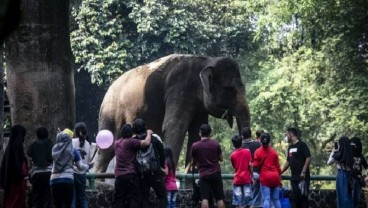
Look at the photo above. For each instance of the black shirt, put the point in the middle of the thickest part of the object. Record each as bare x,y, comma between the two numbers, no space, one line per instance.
252,146
297,154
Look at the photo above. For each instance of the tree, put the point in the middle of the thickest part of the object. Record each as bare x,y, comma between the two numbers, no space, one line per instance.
315,72
39,73
110,37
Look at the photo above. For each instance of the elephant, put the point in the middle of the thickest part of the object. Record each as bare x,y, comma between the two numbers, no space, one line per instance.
174,96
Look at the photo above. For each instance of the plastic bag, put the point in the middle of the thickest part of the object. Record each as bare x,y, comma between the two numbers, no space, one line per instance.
284,201
303,188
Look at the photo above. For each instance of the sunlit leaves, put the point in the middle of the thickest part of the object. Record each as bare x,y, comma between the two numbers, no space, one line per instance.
113,36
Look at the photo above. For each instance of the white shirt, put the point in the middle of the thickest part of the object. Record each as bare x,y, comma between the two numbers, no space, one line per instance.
87,148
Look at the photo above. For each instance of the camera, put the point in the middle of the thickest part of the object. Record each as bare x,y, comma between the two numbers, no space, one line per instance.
336,145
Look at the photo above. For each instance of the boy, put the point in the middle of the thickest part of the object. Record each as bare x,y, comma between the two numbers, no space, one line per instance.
241,160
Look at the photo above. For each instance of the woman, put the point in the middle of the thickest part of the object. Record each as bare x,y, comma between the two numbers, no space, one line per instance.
358,165
13,176
266,161
343,157
170,180
83,144
62,179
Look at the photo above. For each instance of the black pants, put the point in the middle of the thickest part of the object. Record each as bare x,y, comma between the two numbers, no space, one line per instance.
62,194
157,183
127,192
41,191
299,200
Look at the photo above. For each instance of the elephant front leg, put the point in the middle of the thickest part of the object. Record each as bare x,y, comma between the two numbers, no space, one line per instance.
193,133
175,126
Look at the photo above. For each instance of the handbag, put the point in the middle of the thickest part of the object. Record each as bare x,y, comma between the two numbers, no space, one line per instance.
284,201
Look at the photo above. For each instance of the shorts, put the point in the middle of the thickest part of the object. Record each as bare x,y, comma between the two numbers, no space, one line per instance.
242,194
211,183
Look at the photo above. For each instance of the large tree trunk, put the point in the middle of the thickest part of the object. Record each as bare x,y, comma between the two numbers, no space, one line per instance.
38,64
1,102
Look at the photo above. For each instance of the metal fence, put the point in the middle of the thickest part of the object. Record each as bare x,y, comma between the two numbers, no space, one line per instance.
184,177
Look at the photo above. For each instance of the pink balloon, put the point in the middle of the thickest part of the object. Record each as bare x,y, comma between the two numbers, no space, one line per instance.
104,139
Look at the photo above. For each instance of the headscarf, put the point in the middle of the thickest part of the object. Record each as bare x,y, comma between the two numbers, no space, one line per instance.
344,154
11,167
62,152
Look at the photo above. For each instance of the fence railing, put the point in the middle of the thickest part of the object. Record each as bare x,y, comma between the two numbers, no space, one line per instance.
91,177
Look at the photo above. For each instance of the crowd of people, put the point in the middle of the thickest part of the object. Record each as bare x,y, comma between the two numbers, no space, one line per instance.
257,171
57,172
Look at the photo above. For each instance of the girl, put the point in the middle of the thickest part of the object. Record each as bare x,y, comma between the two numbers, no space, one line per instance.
83,144
266,161
343,157
62,180
170,182
359,164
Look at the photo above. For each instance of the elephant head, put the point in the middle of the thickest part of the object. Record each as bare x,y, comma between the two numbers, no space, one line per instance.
224,92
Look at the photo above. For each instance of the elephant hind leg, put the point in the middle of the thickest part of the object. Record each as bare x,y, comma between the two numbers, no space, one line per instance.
103,159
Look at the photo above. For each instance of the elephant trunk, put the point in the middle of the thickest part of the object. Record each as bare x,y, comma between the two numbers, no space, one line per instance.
241,113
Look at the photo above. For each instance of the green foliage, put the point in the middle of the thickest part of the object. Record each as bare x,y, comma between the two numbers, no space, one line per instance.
111,36
304,62
314,75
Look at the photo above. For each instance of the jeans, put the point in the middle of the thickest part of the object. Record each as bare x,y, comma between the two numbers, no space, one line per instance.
242,194
62,194
271,194
80,199
344,198
171,199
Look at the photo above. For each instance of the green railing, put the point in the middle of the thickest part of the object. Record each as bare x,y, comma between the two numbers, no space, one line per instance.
91,177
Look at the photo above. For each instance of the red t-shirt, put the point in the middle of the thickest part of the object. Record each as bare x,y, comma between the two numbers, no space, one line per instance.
125,151
270,169
206,152
240,160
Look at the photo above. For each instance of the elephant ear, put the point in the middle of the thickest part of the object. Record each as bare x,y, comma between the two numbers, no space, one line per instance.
206,76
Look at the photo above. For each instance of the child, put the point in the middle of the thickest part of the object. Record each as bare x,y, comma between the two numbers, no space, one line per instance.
241,160
170,181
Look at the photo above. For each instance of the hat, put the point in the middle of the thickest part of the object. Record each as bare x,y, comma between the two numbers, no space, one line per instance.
69,132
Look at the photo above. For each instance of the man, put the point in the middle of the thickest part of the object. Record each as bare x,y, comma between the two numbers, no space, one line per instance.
40,154
207,154
127,187
156,179
241,160
298,159
248,142
252,145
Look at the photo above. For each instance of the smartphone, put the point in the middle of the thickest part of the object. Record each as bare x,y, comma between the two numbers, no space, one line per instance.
336,145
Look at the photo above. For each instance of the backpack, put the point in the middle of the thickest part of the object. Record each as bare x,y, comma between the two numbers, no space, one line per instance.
147,161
